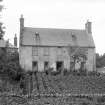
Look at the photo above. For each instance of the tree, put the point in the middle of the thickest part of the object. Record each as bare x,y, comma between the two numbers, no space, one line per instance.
9,66
1,6
2,32
78,55
100,60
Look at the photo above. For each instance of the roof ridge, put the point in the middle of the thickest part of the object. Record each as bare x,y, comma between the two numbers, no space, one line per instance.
54,28
57,36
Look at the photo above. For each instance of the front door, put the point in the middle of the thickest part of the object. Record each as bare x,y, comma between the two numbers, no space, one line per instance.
35,66
46,65
59,65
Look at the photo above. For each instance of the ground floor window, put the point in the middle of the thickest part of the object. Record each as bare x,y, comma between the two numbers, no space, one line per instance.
35,66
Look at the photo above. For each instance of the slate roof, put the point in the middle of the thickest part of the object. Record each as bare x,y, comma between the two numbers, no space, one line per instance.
2,43
57,37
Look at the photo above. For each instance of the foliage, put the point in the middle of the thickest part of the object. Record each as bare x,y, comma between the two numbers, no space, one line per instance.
2,32
79,57
55,73
1,6
101,99
93,73
75,72
9,65
100,60
85,103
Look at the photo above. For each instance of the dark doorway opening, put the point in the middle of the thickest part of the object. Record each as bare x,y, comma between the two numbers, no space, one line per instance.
72,66
59,65
82,67
35,66
46,65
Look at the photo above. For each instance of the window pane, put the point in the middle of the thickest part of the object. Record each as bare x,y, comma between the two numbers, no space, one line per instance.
35,51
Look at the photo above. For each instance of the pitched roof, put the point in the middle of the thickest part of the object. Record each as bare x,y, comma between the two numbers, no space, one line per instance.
2,43
57,37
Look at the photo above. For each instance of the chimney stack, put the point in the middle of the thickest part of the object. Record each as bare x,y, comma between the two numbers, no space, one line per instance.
15,41
21,23
88,27
21,28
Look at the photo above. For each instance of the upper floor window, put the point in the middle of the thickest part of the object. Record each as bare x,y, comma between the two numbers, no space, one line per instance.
46,51
59,51
34,51
36,34
73,37
37,38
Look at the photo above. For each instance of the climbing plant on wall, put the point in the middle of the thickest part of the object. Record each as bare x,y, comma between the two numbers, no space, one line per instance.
78,57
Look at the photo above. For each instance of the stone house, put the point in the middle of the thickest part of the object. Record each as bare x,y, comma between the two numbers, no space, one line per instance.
43,48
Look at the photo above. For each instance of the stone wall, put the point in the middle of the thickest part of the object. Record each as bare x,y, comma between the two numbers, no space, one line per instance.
26,58
91,61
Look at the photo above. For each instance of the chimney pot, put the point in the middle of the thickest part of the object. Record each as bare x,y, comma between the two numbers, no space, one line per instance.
88,27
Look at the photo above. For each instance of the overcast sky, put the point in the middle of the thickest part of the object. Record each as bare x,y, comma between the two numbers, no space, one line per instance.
71,14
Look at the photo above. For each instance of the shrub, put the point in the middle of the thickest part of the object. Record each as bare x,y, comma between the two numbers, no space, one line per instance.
83,72
93,73
65,72
85,103
9,66
101,99
48,71
54,73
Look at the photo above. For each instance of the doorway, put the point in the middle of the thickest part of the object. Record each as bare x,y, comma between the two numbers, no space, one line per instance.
46,65
35,66
59,65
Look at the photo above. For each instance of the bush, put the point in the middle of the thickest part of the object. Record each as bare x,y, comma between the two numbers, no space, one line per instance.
101,99
65,72
83,72
9,65
48,71
85,103
54,73
93,73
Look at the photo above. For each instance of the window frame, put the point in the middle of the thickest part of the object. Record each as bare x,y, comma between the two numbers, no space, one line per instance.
35,51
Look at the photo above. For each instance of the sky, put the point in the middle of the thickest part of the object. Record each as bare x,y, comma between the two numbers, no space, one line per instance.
70,14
